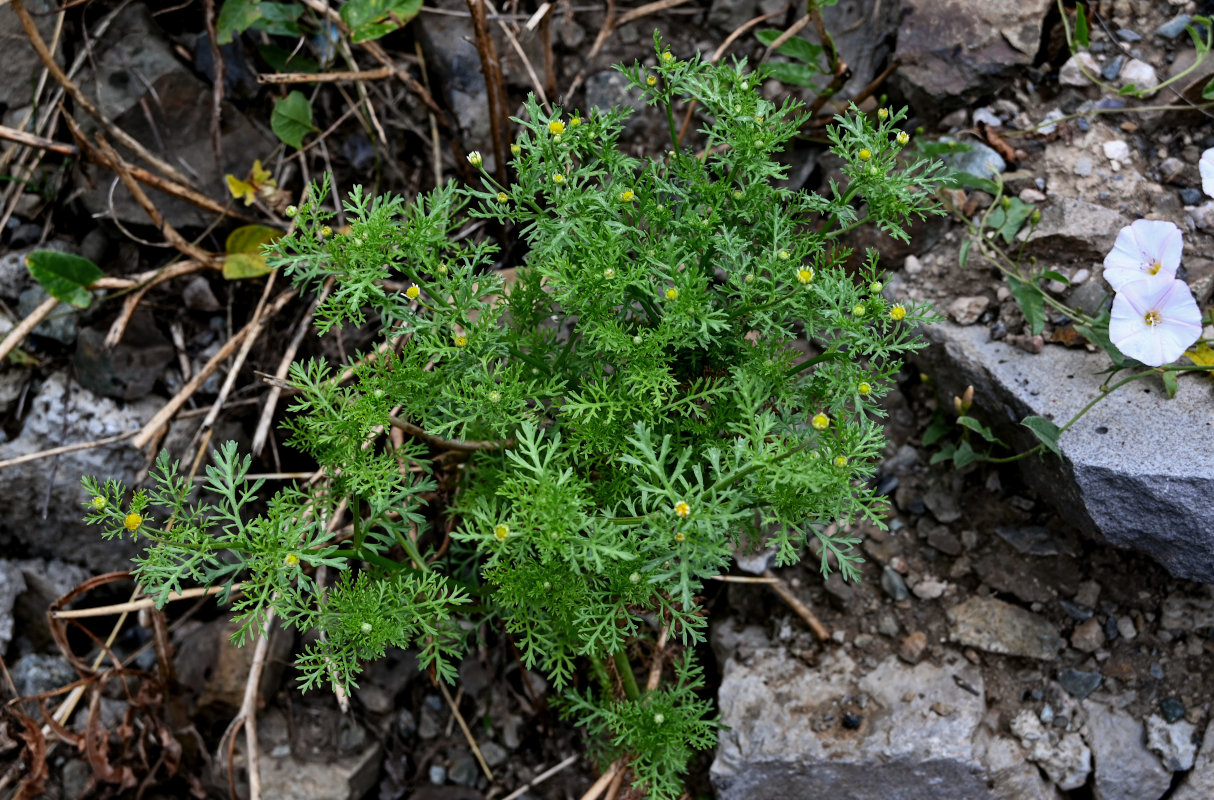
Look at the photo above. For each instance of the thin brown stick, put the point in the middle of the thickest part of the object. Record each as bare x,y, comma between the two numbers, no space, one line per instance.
121,136
518,49
599,41
801,610
325,77
246,717
17,334
779,41
603,782
613,790
140,604
435,149
218,65
543,776
41,142
742,579
491,67
463,726
449,444
646,10
655,667
67,448
150,430
131,303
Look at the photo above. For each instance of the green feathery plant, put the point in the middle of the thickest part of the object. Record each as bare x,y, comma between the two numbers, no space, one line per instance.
600,433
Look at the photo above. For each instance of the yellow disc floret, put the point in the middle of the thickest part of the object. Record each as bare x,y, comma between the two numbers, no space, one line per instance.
865,154
681,509
859,310
897,313
556,127
672,294
558,177
502,197
651,81
840,461
291,560
627,196
864,388
99,503
132,521
805,275
575,121
461,341
412,292
668,56
475,158
516,149
882,114
501,532
820,421
903,138
783,255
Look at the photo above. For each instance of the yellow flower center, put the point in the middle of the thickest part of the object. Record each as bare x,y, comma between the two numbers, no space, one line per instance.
291,560
1152,318
820,422
502,197
573,123
865,154
556,127
897,313
99,503
858,310
882,113
558,177
682,509
651,81
132,521
1154,268
461,341
501,532
412,292
840,461
864,388
516,149
672,294
668,56
627,196
805,275
903,138
678,537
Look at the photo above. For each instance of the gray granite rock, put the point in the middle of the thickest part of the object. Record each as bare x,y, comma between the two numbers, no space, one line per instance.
785,738
953,51
999,627
43,500
1137,470
20,66
1062,756
1075,230
1199,783
12,583
1172,742
1125,769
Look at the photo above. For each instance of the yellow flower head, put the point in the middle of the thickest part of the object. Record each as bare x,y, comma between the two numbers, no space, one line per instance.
99,503
502,197
516,149
859,310
627,196
475,159
132,521
882,114
412,292
840,461
820,421
672,294
864,388
783,255
897,313
805,275
681,509
291,560
556,127
865,154
668,56
903,138
875,287
326,231
651,81
461,341
558,177
678,537
501,532
575,121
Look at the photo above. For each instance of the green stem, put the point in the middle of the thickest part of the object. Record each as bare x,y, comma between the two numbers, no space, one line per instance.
829,355
674,136
600,672
625,669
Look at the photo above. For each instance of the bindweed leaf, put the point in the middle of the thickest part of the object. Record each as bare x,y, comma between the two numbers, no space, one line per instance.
1208,92
64,276
1081,26
980,429
936,431
946,454
965,455
1170,384
371,19
1007,222
279,19
796,47
291,119
964,256
235,17
1051,275
1046,431
1028,297
243,258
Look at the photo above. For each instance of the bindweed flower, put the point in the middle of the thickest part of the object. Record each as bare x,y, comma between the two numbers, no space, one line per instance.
1206,167
1145,248
1154,321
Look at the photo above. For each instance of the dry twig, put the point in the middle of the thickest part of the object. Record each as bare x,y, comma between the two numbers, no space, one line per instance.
325,77
801,610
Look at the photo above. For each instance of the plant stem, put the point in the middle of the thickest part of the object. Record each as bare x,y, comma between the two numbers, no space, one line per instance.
626,677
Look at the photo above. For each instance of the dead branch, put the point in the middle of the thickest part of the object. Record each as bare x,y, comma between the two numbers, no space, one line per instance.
801,610
40,142
325,77
492,68
18,334
449,444
67,448
131,302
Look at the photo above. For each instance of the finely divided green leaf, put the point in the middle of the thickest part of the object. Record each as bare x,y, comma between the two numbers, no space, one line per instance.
64,276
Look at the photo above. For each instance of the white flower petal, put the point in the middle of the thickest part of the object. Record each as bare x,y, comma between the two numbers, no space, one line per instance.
1178,326
1206,167
1139,247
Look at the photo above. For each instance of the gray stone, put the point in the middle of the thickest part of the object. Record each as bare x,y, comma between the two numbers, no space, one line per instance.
967,310
903,748
728,15
1072,72
1139,74
59,325
987,40
863,32
1031,540
941,500
1111,70
894,585
464,771
1062,756
1173,27
61,414
1075,230
1199,783
999,627
14,275
1088,637
1079,683
197,295
1125,769
1172,742
979,160
494,754
36,673
128,370
1010,775
12,583
610,89
1140,481
142,87
1181,612
20,66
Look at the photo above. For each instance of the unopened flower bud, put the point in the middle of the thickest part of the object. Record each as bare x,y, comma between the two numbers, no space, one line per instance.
475,159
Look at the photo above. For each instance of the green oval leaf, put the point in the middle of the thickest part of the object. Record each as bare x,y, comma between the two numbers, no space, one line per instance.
244,257
291,119
1045,430
64,276
371,19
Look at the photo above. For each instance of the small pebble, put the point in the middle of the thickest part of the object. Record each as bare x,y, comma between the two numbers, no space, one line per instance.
1080,276
912,647
1079,684
1190,197
1031,195
1116,150
1140,74
1173,27
1076,611
893,585
1047,714
912,265
1173,709
998,331
1113,68
1111,631
1082,166
1156,671
1127,35
438,774
1125,626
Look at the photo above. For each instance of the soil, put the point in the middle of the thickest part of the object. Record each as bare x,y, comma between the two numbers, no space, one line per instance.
949,530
